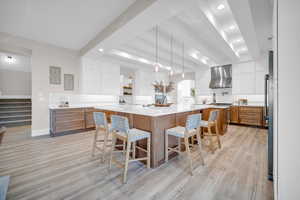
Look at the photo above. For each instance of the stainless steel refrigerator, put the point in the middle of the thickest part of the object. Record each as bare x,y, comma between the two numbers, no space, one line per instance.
269,98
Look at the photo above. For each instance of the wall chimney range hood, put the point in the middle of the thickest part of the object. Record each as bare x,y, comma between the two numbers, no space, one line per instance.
221,77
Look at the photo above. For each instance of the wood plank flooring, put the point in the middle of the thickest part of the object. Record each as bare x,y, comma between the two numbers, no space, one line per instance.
62,168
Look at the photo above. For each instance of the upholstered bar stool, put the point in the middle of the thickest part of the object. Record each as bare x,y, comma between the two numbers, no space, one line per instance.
191,129
212,122
102,127
120,130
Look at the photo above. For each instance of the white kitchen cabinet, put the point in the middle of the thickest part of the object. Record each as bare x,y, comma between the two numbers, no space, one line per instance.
202,80
248,78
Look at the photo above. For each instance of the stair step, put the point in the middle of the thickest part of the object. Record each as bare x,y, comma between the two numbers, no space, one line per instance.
14,111
15,121
11,102
13,116
8,107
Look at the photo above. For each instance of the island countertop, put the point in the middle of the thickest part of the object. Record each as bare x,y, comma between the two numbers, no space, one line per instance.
156,111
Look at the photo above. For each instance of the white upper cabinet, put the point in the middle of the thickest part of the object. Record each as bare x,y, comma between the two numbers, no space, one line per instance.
248,78
202,79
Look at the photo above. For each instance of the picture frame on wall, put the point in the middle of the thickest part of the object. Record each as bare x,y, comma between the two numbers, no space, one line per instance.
68,82
55,75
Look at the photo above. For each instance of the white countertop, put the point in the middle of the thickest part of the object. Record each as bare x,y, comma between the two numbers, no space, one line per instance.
254,104
140,110
156,111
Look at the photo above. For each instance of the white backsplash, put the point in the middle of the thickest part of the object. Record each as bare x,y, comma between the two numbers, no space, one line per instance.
226,96
75,99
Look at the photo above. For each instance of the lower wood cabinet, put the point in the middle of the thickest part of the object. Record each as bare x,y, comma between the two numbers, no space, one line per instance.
247,115
70,119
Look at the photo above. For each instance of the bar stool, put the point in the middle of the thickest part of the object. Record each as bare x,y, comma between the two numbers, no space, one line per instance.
191,129
212,122
101,127
120,130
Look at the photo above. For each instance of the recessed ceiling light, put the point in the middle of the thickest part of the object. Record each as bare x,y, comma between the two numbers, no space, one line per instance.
194,55
237,41
221,7
101,50
10,59
232,27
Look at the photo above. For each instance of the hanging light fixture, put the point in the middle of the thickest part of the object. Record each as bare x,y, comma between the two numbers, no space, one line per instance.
156,64
171,56
182,60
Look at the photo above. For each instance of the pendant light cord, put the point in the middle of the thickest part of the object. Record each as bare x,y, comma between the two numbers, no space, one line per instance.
182,57
171,53
156,44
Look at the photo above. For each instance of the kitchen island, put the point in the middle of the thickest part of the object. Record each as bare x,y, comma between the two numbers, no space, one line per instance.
79,118
156,120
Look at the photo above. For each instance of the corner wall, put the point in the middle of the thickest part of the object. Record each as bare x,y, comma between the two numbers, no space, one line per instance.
42,57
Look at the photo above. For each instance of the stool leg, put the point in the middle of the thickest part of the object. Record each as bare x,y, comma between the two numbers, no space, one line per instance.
106,133
199,147
166,147
179,143
187,147
112,149
148,151
94,142
124,147
133,150
218,136
211,142
126,161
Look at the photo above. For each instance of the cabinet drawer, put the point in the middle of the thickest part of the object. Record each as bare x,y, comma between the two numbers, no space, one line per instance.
254,122
69,116
70,125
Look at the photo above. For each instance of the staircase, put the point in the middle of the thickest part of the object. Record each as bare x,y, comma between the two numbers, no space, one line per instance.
15,112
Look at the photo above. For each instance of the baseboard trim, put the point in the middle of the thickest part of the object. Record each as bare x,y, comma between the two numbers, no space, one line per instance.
40,132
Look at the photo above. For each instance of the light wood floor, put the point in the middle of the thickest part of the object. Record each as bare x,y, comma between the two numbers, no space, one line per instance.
62,168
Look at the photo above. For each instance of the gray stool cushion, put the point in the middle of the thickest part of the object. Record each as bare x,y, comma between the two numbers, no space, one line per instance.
4,181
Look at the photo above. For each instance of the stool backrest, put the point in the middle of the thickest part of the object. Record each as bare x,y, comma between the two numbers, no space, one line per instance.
100,119
213,116
119,123
193,122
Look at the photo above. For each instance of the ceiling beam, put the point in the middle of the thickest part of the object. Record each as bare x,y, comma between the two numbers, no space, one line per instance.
137,19
242,13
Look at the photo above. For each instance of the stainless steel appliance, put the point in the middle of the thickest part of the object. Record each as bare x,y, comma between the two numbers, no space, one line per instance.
269,98
221,77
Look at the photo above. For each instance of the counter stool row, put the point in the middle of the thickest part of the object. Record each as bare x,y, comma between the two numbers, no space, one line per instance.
119,129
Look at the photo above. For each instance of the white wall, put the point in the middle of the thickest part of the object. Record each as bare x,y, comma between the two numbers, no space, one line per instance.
143,88
15,82
99,76
42,57
288,95
247,81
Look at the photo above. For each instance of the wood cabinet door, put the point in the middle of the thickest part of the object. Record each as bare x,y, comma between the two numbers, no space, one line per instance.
89,119
234,114
251,115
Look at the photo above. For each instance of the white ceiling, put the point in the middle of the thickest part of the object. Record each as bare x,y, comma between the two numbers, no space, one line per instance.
204,29
20,62
65,23
128,26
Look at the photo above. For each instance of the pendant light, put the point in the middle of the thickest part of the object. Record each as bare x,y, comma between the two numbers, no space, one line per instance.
182,60
156,64
171,56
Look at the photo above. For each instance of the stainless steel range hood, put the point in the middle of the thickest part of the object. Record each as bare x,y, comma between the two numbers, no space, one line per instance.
221,77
